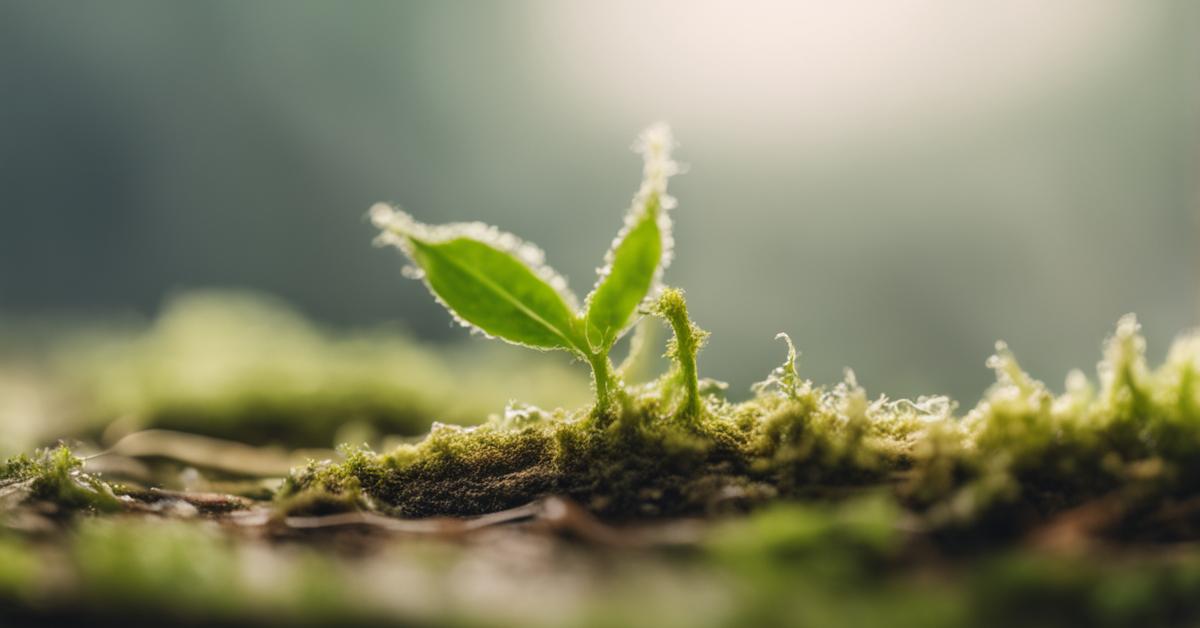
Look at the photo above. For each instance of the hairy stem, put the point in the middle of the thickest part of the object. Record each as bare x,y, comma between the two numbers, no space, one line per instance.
683,347
602,377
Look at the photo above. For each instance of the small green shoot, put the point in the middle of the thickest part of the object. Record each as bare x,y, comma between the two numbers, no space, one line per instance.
498,285
682,350
784,378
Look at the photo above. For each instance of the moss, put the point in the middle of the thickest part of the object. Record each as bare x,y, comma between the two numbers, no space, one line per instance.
868,526
20,570
646,462
125,562
829,563
248,368
849,563
1019,458
131,568
56,476
1024,454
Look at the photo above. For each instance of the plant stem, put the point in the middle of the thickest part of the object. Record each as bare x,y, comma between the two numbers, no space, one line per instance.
686,347
688,339
603,379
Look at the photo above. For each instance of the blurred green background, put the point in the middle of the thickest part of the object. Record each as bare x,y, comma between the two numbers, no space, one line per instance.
897,185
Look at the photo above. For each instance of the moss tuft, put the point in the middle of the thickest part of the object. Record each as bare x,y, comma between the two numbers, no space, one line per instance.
56,475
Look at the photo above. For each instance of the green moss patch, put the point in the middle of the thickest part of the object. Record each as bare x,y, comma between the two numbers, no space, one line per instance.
1022,456
56,476
248,368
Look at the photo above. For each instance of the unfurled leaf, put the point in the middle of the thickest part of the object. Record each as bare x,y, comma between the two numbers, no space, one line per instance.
488,279
640,252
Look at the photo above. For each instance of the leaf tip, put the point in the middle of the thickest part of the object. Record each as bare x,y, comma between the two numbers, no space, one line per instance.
655,145
394,224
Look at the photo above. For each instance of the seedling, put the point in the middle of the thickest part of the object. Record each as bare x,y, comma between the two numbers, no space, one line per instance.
500,286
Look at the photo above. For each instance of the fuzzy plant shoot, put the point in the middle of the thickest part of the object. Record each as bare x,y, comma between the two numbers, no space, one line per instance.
498,285
682,349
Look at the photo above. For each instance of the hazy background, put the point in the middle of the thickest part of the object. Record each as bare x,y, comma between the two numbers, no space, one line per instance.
896,184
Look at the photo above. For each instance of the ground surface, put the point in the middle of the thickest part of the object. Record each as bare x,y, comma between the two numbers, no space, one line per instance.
180,495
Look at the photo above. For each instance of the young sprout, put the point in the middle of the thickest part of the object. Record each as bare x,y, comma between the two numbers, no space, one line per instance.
495,283
682,350
784,379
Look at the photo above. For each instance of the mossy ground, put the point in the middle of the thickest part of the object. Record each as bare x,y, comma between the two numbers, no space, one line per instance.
248,368
853,562
1020,458
55,476
1031,509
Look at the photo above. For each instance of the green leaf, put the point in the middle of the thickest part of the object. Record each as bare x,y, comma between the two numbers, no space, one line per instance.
633,263
489,280
641,251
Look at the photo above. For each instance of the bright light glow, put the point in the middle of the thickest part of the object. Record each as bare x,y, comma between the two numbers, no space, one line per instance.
838,71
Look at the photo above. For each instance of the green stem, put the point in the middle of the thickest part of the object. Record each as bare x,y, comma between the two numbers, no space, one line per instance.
603,379
688,339
687,345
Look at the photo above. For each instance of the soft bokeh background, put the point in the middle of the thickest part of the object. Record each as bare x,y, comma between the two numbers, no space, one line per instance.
895,184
